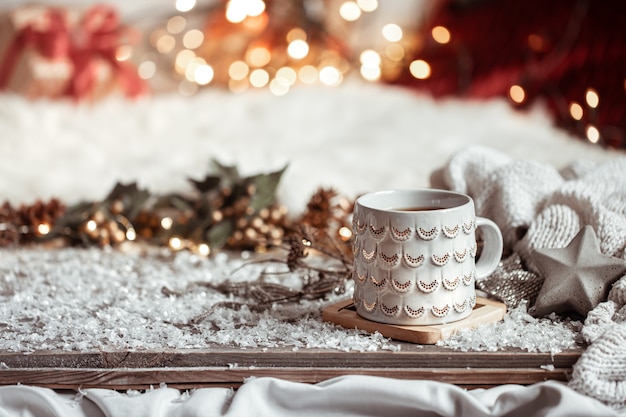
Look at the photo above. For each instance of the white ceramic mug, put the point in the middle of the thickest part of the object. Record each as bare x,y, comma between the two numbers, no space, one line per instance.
414,256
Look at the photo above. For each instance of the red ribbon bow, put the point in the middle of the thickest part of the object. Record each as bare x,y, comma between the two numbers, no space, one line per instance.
95,39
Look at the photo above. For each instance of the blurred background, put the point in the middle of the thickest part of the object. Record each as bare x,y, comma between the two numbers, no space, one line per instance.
568,55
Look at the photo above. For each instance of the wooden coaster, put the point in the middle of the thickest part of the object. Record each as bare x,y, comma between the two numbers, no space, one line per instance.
344,314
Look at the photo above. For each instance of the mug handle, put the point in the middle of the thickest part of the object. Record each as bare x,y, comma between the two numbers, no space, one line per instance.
492,249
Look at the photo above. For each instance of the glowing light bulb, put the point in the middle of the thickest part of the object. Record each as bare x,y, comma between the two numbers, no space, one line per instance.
349,11
593,134
43,228
345,233
259,56
176,24
330,76
203,74
238,70
517,94
592,98
367,5
420,69
176,243
204,249
441,34
167,223
146,70
193,39
185,5
259,78
576,111
392,32
298,49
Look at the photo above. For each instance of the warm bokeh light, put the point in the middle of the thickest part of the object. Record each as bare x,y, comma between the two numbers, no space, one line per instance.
370,73
204,249
259,56
193,39
146,70
298,49
176,243
394,51
259,78
185,5
592,98
165,44
576,111
517,94
238,70
43,228
308,74
203,74
176,24
367,5
593,135
238,10
420,69
330,76
167,223
287,74
441,34
370,57
349,11
183,58
123,52
279,87
392,32
296,34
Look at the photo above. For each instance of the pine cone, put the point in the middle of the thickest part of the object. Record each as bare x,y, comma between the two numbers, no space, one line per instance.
39,217
9,225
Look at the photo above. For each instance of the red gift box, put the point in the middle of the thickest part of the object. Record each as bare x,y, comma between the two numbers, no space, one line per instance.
54,52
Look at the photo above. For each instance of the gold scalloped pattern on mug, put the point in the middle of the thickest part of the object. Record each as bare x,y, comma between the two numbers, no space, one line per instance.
414,313
401,287
368,307
390,311
467,279
428,287
378,284
474,250
451,232
360,277
460,307
460,256
390,261
440,260
359,227
451,284
472,300
468,227
369,257
427,234
401,235
413,262
440,312
378,233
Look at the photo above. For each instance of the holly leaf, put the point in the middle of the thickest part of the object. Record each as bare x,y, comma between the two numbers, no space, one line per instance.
230,174
218,234
265,185
131,196
209,183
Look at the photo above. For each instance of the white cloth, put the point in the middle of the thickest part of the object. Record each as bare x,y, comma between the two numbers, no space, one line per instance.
347,396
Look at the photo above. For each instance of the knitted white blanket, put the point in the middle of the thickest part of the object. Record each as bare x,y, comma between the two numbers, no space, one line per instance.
537,206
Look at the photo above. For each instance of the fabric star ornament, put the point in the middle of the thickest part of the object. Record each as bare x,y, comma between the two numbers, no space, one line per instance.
577,277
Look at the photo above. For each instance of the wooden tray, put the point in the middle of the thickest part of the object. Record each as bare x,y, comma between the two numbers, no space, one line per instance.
344,314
